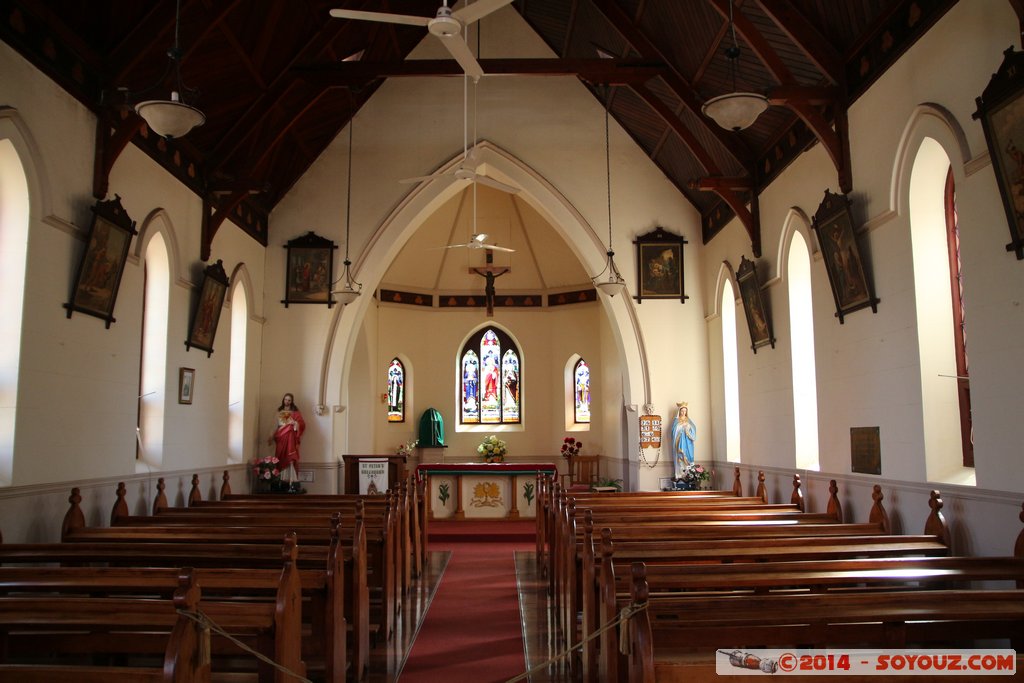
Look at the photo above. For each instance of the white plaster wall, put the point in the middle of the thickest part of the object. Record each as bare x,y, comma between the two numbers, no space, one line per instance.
868,368
554,126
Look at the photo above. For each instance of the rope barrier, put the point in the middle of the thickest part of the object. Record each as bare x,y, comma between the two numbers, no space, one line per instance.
624,616
208,625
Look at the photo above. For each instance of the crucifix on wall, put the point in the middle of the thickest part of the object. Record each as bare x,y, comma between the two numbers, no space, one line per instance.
490,276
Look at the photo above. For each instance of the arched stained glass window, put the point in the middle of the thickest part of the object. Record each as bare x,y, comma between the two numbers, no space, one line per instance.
581,392
396,391
491,381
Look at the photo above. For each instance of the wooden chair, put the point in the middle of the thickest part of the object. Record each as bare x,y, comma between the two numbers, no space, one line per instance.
583,473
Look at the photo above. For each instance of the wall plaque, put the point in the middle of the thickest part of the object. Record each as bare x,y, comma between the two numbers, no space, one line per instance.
865,450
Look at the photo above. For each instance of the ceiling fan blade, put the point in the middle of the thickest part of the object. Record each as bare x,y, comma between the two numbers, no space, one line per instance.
454,246
409,19
496,184
417,179
478,10
495,247
460,51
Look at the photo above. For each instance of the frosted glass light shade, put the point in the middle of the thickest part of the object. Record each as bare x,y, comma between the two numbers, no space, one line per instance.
170,118
735,111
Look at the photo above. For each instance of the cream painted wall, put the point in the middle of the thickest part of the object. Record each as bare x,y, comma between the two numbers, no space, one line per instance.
868,368
556,128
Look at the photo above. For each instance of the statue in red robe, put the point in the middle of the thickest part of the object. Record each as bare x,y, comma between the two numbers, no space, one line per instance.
288,434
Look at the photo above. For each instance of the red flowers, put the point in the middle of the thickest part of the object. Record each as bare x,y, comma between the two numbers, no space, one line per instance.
571,447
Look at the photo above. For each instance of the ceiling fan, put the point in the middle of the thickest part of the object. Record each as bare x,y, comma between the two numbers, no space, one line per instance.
479,241
448,25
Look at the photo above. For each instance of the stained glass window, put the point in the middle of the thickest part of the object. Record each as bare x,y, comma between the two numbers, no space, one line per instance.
491,379
581,392
396,391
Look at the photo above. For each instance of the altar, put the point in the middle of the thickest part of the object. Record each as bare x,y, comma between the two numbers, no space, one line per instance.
476,490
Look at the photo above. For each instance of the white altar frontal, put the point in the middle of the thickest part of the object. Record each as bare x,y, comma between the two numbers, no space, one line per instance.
482,490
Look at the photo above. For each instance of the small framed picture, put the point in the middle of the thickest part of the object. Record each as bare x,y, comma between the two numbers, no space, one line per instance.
758,321
1001,110
186,385
310,268
833,224
207,313
102,263
659,266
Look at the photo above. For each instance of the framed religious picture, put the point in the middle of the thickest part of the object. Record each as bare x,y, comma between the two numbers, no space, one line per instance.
659,266
833,224
1001,110
102,263
310,267
207,313
186,385
758,321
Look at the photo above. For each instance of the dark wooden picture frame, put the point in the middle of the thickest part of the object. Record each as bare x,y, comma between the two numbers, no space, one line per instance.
659,266
186,385
206,317
759,323
310,271
833,225
102,264
1001,110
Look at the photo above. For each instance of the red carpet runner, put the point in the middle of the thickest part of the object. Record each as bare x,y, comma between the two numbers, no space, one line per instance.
472,630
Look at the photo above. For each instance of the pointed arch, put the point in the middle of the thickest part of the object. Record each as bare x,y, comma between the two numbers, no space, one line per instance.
934,121
726,293
392,234
159,220
239,304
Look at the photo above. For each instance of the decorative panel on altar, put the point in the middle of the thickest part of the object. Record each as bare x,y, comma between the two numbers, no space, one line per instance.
482,490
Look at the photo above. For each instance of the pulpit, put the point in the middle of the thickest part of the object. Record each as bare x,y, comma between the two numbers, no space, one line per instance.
397,469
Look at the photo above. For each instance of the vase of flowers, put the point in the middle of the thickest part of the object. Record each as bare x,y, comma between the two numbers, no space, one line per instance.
492,449
267,475
692,477
571,448
406,448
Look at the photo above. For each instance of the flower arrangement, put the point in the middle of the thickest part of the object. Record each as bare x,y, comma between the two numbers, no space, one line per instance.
267,472
493,449
694,475
406,448
571,447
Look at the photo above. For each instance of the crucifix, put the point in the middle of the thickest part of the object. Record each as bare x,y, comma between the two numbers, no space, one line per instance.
490,276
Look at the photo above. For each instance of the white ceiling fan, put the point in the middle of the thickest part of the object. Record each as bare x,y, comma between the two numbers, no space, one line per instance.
448,25
479,241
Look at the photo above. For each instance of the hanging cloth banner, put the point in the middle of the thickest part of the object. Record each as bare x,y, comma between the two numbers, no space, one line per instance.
650,431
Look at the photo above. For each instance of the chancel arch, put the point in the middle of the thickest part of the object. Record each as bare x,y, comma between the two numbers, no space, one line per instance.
387,240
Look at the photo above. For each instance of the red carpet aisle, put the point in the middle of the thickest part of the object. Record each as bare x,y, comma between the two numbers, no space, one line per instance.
472,631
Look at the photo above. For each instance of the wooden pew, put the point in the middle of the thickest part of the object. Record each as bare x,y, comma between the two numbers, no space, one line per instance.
953,617
68,618
705,519
261,607
199,523
346,596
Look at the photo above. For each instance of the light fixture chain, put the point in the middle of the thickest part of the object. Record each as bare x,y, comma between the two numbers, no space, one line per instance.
348,191
608,168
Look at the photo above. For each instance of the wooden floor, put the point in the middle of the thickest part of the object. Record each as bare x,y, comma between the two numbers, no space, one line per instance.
387,659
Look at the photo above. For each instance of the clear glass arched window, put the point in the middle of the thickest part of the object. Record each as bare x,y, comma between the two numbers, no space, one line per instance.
491,379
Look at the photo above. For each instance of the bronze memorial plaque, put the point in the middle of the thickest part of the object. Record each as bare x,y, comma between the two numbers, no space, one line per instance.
865,450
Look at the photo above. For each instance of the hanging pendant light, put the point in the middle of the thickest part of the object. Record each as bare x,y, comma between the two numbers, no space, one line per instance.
351,289
171,118
735,110
613,283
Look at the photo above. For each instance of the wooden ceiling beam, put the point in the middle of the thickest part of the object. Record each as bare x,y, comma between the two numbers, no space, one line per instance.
676,124
806,37
622,23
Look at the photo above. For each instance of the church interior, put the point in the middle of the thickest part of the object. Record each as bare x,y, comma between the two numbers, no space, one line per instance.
798,222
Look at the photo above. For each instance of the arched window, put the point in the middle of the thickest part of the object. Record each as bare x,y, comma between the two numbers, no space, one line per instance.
491,379
801,331
152,379
730,372
963,382
581,392
236,374
14,220
396,391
